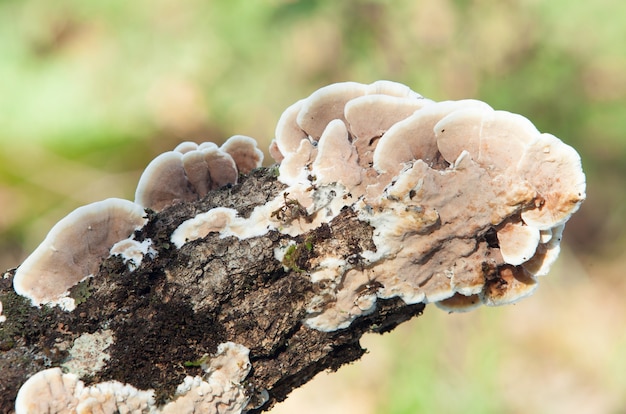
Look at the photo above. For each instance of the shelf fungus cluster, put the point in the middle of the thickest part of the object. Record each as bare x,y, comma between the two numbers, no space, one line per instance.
466,206
217,391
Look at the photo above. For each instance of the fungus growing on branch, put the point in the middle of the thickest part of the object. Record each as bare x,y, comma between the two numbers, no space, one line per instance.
385,201
219,391
432,184
190,171
432,179
74,248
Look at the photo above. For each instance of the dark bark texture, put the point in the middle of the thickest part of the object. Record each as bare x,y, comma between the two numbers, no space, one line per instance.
179,306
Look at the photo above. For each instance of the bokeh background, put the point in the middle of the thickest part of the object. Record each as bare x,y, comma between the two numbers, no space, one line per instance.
91,91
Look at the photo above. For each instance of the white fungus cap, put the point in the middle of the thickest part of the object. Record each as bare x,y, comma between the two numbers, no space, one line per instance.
74,248
190,171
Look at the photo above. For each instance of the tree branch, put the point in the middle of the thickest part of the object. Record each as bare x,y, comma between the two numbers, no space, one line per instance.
178,307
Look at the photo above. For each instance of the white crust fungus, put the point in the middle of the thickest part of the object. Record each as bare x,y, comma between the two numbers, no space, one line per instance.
73,249
132,251
219,391
51,391
2,317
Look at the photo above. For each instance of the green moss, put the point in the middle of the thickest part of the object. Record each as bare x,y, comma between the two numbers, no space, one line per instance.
196,363
297,255
274,170
81,292
17,309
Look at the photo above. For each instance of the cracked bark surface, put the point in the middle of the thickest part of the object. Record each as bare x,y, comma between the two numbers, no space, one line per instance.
180,305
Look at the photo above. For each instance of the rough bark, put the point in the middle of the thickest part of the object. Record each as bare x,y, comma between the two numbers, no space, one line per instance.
180,305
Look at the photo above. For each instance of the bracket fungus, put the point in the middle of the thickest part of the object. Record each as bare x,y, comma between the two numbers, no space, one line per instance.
190,171
456,203
433,179
218,391
74,248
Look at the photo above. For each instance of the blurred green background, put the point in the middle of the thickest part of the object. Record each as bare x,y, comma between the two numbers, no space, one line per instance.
90,92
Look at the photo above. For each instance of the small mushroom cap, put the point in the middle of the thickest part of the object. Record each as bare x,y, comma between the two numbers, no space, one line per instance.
245,153
222,168
207,145
186,146
197,172
48,391
495,139
386,87
191,171
546,254
518,242
327,104
163,182
288,132
52,391
293,169
414,137
370,116
74,248
337,160
275,152
554,169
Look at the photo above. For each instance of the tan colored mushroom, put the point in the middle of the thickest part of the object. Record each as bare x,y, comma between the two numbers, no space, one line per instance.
163,182
546,253
413,138
185,147
481,132
245,153
190,171
52,391
48,391
518,243
369,117
74,248
386,87
326,104
337,159
288,132
554,169
222,168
